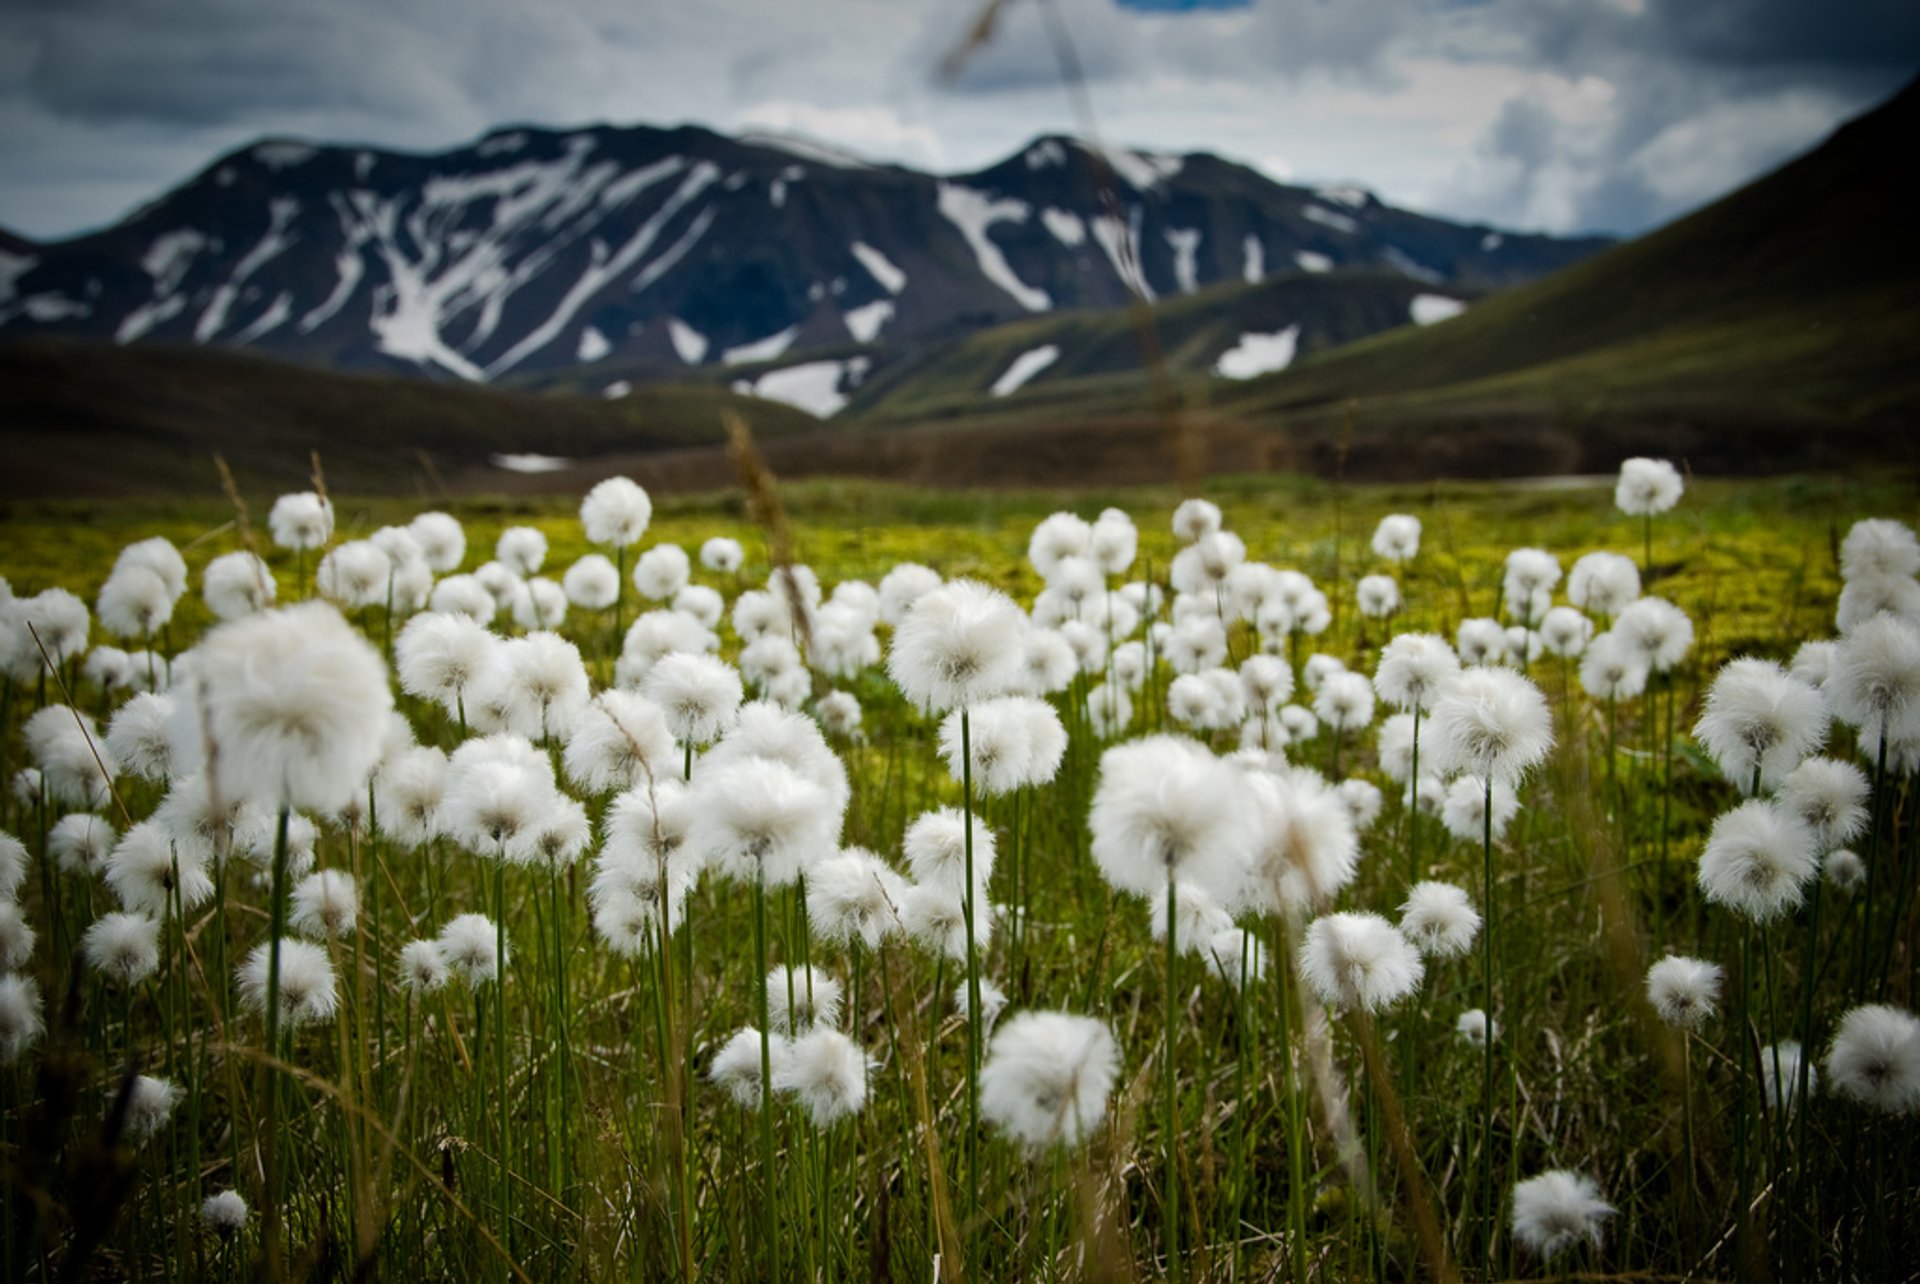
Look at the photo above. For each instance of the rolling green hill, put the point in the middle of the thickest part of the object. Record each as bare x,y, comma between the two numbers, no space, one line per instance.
1778,327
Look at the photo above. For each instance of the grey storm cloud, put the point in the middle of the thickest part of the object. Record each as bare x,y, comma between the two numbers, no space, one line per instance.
1562,114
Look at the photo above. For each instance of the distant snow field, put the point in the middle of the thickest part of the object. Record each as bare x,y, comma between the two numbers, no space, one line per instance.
1429,308
813,386
530,464
1025,367
1258,354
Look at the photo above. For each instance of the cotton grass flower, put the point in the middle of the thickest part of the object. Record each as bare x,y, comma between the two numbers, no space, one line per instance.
1471,1028
149,873
1646,487
521,549
1830,796
699,694
1345,701
1874,684
1014,741
16,937
1481,642
591,583
1564,632
224,1213
1195,519
616,512
409,791
1875,1058
423,969
123,946
736,1067
470,945
1414,669
1358,961
1684,991
800,998
1490,722
1660,630
855,897
21,1019
661,572
1878,548
1844,871
759,820
1305,847
935,848
959,644
1558,1209
301,521
307,989
1613,668
1165,809
149,1108
1397,538
134,603
325,904
1055,539
75,764
619,740
296,702
935,918
1603,583
839,713
81,842
1757,861
826,1072
1780,1067
1530,572
1047,1077
354,574
1439,920
1758,722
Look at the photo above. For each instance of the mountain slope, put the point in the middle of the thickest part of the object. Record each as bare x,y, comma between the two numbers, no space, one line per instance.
1778,324
647,253
83,419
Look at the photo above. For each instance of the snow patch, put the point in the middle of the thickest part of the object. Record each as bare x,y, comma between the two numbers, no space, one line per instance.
1492,241
1426,309
12,268
607,267
281,212
275,316
864,322
616,390
768,349
777,193
362,166
688,343
1025,367
1142,170
1066,226
593,345
813,387
805,149
1407,265
50,307
1327,218
1254,260
148,315
530,464
880,268
1354,198
1258,354
974,214
1121,242
1309,261
1046,152
501,144
284,154
1186,248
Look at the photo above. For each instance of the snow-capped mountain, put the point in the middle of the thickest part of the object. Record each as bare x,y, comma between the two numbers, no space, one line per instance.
660,250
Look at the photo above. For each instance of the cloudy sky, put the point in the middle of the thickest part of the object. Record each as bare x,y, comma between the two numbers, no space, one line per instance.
1553,114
